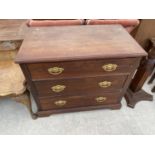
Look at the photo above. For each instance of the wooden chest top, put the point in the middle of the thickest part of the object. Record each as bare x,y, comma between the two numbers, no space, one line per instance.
77,43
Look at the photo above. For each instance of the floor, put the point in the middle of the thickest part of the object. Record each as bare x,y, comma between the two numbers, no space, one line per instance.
15,119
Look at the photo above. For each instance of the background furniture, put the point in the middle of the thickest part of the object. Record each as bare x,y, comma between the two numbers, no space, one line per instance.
128,24
151,80
144,32
12,33
12,29
12,80
152,57
144,36
135,92
52,22
76,68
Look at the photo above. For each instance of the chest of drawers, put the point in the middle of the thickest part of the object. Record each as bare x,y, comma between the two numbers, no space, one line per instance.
78,67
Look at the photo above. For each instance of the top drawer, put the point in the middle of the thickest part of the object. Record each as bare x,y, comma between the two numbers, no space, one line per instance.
80,68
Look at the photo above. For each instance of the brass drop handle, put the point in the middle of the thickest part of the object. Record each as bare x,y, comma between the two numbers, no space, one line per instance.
55,70
110,67
104,84
100,99
60,103
58,88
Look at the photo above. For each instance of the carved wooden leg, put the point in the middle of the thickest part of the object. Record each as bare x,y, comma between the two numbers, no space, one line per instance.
25,99
133,98
135,93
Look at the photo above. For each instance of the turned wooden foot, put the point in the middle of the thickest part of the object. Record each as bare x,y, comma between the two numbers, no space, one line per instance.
115,107
133,98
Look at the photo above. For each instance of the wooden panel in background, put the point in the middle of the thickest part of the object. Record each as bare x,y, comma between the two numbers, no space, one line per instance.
145,31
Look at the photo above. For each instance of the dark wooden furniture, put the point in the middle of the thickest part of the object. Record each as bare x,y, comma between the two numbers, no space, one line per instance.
144,32
153,89
151,47
135,93
151,80
78,67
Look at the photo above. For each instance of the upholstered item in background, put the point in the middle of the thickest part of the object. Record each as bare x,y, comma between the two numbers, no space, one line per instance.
52,22
129,24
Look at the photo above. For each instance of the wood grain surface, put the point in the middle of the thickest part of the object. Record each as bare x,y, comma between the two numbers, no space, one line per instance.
76,43
81,51
78,101
39,71
12,29
88,85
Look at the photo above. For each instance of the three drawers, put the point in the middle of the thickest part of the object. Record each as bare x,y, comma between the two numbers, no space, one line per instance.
70,68
79,83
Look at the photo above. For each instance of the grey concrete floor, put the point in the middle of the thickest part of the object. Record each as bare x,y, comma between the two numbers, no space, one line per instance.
15,119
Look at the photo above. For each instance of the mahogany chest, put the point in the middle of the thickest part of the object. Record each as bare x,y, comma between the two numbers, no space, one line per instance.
76,68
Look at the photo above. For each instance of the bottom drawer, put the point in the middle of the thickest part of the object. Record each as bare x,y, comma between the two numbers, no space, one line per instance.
52,103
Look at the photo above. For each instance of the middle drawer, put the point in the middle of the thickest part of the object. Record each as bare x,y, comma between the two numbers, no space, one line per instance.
79,85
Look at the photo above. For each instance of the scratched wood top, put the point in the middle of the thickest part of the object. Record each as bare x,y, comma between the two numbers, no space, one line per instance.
77,43
12,29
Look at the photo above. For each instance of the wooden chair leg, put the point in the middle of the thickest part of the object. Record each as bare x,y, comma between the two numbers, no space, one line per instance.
26,100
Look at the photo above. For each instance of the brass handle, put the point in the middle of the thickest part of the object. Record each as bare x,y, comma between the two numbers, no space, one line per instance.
60,103
109,67
100,99
58,88
104,84
55,70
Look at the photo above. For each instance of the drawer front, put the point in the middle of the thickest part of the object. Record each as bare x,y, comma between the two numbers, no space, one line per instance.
79,85
80,68
78,101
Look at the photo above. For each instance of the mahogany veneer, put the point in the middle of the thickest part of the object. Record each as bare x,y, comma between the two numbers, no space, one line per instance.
78,67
